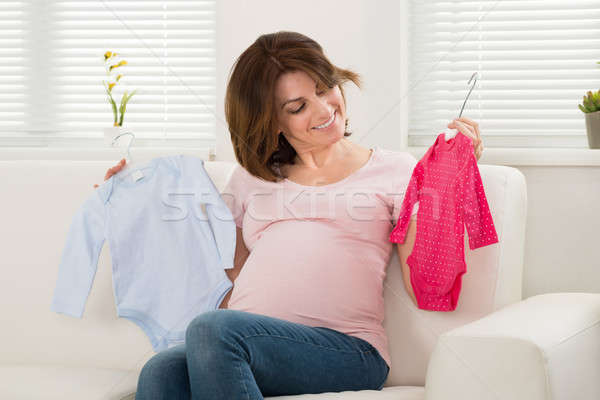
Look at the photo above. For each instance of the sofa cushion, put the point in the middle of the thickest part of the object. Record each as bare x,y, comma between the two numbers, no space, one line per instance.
387,393
49,382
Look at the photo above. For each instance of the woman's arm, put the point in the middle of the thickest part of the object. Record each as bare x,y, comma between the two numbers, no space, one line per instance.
404,250
241,254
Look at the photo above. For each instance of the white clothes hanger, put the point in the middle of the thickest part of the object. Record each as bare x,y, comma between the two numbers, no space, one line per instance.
132,165
450,133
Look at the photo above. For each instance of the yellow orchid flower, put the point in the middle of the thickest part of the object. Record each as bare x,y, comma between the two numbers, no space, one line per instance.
110,86
120,64
109,54
119,77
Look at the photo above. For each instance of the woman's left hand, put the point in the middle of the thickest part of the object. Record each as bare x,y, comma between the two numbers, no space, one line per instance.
469,128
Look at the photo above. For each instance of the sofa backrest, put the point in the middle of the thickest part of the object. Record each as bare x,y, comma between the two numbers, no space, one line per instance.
40,198
492,281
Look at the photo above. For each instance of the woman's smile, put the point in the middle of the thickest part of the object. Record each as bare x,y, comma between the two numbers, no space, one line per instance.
327,124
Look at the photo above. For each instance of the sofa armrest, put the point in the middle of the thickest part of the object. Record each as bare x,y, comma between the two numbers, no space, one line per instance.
544,347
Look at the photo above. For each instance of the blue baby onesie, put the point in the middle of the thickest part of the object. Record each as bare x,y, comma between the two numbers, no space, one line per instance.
170,236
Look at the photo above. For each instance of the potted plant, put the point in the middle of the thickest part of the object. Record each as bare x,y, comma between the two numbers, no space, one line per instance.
591,109
113,67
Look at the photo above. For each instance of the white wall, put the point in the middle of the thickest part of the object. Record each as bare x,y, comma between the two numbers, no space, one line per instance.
562,249
562,243
349,33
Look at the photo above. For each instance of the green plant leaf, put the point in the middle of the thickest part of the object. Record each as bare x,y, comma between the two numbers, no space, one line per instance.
123,98
129,97
589,103
596,100
112,103
122,108
124,102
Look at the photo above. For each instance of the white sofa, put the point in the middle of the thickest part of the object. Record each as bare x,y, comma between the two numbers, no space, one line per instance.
493,346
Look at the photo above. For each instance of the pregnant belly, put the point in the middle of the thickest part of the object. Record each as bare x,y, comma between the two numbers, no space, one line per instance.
309,281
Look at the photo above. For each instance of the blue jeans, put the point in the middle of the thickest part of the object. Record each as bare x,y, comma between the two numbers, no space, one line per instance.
232,354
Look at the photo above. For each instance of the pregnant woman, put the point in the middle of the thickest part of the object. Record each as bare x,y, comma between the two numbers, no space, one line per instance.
313,212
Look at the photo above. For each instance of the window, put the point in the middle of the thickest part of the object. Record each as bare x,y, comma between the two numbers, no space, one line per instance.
535,59
51,90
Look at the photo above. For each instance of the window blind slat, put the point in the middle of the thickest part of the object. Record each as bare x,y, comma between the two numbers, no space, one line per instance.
133,5
538,6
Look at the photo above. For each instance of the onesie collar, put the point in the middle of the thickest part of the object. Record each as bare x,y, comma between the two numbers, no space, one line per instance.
446,146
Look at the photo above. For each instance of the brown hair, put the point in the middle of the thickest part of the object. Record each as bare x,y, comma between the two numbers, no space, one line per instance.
250,98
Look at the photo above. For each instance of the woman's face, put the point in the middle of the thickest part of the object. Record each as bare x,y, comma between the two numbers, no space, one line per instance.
305,121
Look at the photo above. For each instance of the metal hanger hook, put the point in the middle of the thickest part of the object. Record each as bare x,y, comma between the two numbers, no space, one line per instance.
128,145
474,79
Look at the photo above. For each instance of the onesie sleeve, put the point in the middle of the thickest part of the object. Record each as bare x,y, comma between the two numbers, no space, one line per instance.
79,259
409,162
217,212
476,212
233,195
410,198
223,228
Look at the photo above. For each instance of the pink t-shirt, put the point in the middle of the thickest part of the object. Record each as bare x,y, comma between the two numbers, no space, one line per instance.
318,254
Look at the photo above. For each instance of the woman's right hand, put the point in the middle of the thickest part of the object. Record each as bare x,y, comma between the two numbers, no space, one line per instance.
113,170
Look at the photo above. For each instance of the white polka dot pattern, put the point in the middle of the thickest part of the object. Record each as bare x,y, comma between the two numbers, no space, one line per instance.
448,187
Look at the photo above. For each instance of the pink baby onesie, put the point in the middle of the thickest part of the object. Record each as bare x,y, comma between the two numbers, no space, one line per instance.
448,187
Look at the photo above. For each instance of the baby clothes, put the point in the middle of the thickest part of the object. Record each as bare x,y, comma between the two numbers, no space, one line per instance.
447,184
170,235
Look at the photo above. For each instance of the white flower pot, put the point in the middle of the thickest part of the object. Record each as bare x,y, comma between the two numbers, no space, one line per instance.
111,133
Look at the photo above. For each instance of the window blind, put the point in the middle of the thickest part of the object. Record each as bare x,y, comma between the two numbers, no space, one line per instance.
13,59
535,60
56,71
